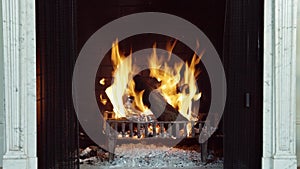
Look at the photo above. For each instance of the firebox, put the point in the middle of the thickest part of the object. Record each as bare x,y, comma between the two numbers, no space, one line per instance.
157,103
152,90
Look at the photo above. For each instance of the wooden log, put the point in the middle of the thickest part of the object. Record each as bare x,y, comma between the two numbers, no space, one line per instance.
161,109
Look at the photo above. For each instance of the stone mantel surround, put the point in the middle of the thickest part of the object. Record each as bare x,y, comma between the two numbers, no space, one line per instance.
19,51
279,113
279,97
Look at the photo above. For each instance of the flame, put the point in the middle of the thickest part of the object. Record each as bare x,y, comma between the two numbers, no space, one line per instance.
150,129
170,79
189,92
122,74
138,97
102,81
103,101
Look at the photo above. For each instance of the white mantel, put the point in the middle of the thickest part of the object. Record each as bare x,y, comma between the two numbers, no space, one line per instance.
19,48
279,113
19,51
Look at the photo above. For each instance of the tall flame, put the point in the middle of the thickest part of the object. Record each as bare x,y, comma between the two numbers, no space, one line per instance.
122,74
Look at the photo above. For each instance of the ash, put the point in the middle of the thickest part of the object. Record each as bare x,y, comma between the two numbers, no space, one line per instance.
149,156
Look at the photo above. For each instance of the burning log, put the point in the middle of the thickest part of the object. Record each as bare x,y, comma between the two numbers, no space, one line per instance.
152,98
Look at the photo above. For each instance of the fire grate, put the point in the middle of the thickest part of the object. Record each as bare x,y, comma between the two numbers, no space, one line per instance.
162,131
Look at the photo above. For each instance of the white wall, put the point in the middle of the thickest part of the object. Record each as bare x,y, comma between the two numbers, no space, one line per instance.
298,85
1,92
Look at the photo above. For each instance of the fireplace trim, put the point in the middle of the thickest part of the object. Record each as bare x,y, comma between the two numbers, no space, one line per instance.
279,96
279,113
19,51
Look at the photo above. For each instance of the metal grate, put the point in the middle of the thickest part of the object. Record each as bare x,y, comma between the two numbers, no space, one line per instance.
163,130
176,129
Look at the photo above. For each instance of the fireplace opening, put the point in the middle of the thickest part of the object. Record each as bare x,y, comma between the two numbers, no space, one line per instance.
234,28
147,128
173,129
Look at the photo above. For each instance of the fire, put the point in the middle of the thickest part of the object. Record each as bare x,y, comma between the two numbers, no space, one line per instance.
150,129
170,79
122,74
102,100
102,81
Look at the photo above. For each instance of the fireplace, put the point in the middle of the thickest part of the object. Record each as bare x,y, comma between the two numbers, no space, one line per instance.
236,41
19,48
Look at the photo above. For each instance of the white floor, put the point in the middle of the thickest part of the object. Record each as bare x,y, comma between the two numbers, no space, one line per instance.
134,156
98,167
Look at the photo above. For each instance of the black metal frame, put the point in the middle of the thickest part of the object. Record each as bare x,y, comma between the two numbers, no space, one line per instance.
56,55
243,61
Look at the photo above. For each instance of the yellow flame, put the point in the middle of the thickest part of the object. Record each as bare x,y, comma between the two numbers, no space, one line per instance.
103,101
121,75
170,48
138,97
102,81
170,79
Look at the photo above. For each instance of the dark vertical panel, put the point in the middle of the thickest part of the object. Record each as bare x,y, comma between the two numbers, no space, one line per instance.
56,54
243,65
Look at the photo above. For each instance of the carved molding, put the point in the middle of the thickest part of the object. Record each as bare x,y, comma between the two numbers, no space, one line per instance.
285,75
19,48
279,121
12,80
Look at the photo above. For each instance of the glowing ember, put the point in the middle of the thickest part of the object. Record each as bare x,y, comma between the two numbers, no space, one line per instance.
123,85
